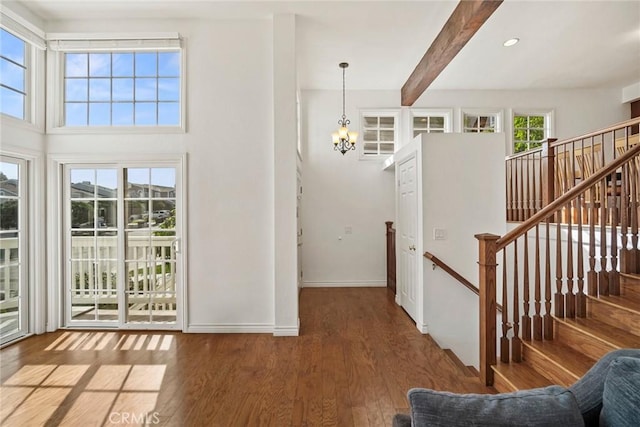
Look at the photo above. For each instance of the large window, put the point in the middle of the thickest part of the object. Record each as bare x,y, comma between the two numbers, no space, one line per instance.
378,133
529,130
118,81
122,88
13,75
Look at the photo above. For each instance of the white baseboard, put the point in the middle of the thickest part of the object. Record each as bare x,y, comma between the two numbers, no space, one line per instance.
230,328
398,300
347,284
287,331
422,328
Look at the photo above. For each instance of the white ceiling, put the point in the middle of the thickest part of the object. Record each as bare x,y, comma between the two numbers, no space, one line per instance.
564,44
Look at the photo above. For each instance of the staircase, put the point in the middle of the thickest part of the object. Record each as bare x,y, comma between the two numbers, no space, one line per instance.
569,275
612,322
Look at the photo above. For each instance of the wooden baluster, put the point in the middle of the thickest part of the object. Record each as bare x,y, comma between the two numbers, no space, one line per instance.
526,319
614,277
516,342
559,296
509,189
570,298
537,319
504,341
603,276
624,220
548,320
581,300
592,275
487,283
635,206
530,198
520,191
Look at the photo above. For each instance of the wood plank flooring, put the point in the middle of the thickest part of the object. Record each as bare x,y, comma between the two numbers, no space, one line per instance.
356,357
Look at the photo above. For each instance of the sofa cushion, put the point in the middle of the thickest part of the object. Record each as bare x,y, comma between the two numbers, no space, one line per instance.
547,406
621,397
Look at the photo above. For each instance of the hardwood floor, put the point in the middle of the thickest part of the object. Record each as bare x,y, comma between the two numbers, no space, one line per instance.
356,357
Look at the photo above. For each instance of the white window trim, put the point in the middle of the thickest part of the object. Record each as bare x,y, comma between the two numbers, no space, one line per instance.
61,43
549,119
447,113
34,39
498,112
386,112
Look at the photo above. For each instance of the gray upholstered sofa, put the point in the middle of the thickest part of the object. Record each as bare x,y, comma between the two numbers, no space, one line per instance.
607,395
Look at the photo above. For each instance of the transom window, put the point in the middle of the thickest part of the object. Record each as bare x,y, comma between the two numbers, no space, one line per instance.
480,123
122,88
430,121
13,75
378,134
528,131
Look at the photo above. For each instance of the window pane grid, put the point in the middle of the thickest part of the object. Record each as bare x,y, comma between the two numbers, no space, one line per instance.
121,89
428,124
528,132
378,135
13,75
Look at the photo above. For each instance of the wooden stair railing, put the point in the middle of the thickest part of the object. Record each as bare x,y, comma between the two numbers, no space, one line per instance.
467,284
555,283
391,256
536,177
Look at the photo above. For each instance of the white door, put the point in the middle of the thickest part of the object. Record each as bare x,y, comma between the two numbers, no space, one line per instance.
407,231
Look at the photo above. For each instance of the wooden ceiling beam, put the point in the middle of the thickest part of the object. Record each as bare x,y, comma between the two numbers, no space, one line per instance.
466,19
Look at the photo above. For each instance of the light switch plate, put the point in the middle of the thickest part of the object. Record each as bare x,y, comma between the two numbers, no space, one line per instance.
439,234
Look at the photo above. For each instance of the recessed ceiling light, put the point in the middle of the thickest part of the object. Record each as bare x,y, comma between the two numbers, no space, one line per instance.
510,42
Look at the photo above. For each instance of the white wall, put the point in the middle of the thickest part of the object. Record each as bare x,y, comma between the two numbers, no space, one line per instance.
229,142
462,201
342,191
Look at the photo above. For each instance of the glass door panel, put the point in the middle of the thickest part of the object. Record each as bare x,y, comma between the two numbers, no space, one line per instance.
150,251
93,284
13,276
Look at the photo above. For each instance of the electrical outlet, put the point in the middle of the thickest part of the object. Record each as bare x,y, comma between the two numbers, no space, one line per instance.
348,229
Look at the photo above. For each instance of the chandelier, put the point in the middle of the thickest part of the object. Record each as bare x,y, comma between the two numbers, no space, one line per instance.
344,140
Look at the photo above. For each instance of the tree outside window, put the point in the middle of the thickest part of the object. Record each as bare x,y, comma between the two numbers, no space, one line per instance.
528,132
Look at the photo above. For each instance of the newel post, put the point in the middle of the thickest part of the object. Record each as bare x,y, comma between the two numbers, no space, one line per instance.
488,313
548,172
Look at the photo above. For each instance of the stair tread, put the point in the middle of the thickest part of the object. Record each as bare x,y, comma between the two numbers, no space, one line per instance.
521,375
633,276
573,361
614,336
628,300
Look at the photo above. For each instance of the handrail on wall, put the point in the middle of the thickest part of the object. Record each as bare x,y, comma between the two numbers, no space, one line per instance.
467,284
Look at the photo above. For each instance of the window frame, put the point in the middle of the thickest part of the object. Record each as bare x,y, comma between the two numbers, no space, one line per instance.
497,113
396,132
61,44
447,114
548,130
34,40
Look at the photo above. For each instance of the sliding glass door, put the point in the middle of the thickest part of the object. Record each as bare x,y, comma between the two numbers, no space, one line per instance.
14,301
123,247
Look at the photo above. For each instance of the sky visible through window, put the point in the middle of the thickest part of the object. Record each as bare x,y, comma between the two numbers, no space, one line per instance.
122,89
108,178
12,75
